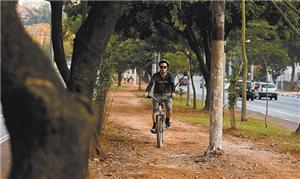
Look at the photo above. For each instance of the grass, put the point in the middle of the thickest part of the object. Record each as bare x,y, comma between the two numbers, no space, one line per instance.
253,129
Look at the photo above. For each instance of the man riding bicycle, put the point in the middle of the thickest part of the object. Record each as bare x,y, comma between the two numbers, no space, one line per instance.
163,82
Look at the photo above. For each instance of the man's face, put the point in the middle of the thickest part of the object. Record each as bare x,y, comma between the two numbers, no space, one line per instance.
163,67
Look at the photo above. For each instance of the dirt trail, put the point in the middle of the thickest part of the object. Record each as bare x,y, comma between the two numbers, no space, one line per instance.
132,152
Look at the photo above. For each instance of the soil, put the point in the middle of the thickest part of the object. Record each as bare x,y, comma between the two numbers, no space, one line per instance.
129,149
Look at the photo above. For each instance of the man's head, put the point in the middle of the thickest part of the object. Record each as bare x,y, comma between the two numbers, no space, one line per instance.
163,65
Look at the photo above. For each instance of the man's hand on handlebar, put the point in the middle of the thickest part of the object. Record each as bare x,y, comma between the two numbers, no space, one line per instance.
173,95
146,94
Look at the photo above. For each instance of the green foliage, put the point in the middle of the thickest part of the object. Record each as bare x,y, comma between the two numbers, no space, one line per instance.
260,29
178,61
70,25
272,54
233,78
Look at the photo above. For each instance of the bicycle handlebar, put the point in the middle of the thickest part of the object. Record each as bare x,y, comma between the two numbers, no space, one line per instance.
158,100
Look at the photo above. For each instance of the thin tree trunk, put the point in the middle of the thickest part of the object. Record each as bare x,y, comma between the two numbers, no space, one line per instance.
298,130
140,79
216,105
245,62
194,93
293,83
267,99
233,120
188,95
119,79
48,127
84,9
57,40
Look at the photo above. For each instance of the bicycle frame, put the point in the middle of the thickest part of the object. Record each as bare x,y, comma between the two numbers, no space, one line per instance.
160,120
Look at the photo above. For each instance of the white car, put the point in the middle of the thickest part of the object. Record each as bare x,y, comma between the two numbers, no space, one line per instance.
261,91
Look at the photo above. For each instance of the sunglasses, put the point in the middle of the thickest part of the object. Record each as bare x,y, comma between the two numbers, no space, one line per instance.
163,66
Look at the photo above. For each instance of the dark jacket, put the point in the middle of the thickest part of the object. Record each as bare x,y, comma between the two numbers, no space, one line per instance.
161,85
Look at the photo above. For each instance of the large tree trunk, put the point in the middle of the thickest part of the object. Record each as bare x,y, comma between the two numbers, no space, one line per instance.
245,63
48,126
216,105
90,44
89,47
57,40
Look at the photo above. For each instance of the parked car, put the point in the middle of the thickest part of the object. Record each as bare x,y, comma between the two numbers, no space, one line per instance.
184,81
249,90
261,91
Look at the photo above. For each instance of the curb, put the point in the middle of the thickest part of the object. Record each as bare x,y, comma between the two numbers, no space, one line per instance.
290,95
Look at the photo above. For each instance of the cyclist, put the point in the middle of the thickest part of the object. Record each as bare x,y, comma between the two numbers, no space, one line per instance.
163,82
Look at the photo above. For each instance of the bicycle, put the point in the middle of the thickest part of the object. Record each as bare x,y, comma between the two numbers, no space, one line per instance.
160,120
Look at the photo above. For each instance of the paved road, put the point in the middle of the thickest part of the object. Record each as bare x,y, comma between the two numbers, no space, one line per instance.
286,108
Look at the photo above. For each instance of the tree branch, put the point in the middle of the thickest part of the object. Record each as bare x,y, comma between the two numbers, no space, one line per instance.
292,7
286,19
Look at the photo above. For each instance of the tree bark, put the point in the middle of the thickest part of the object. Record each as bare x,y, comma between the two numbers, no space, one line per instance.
48,127
140,79
293,72
57,40
90,44
205,72
119,79
245,64
194,93
216,105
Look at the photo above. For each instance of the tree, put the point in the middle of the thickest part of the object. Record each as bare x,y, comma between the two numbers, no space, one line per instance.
232,90
245,63
216,107
89,46
49,127
266,51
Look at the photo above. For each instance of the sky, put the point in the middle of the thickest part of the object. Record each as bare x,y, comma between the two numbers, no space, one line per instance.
21,2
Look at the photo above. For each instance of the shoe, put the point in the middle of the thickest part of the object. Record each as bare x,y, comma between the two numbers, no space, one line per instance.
168,123
153,130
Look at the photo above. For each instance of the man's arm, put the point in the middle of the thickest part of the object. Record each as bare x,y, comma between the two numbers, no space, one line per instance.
151,83
172,83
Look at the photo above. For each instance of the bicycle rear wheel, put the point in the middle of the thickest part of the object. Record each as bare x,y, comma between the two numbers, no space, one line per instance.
159,131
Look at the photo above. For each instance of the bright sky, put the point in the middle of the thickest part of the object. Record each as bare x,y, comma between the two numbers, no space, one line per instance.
24,1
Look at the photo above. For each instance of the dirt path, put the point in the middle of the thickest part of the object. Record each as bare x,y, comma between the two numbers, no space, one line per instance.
131,151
